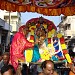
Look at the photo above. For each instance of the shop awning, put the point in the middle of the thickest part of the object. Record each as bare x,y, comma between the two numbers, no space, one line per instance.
45,7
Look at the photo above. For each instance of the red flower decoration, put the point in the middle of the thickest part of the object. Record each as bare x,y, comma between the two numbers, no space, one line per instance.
62,40
32,28
49,27
31,37
37,25
65,51
49,40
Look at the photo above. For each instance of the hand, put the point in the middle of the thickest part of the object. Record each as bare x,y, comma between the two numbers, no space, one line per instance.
37,41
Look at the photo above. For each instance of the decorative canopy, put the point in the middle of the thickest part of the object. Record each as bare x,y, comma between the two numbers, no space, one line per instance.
45,7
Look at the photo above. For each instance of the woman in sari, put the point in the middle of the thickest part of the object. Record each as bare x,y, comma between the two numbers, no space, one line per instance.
18,45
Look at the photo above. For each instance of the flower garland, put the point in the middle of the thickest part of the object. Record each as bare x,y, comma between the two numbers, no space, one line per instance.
62,43
64,49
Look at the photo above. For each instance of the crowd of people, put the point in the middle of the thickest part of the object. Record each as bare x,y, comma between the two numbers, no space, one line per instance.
47,67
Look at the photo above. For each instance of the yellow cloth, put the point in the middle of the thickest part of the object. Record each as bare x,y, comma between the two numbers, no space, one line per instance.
32,32
45,55
32,27
28,55
31,41
59,35
45,26
29,52
68,58
49,34
52,31
63,46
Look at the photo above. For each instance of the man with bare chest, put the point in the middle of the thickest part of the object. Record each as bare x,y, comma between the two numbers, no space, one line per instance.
48,68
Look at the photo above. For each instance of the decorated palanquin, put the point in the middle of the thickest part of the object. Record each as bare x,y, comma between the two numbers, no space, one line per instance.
51,45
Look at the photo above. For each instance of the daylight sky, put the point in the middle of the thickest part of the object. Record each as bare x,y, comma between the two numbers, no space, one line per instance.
28,15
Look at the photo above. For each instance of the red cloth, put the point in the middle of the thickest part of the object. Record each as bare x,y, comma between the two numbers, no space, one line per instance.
18,45
22,27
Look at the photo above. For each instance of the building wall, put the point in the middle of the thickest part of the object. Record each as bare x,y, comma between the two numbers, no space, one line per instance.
2,14
12,22
15,20
4,32
70,20
68,31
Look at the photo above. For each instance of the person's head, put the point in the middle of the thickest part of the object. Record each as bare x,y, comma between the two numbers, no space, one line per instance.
24,29
7,70
38,32
48,67
6,58
41,40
